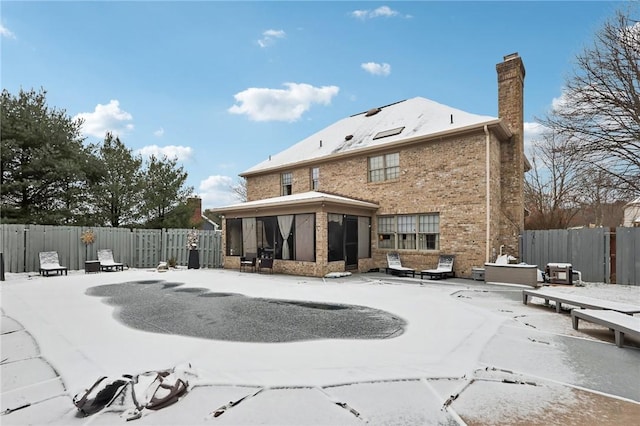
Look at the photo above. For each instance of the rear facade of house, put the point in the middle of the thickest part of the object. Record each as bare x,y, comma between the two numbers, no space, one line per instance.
416,177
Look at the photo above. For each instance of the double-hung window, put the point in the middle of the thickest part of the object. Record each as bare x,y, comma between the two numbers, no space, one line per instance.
384,167
386,232
315,178
286,180
429,232
409,232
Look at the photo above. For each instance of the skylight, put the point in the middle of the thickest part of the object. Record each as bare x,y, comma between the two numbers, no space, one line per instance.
388,133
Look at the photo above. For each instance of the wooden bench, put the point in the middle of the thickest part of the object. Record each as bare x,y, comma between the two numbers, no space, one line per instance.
619,323
579,301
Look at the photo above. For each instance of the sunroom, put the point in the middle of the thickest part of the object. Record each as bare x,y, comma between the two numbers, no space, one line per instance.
311,233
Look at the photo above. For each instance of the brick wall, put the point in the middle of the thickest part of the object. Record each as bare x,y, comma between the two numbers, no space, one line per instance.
447,176
431,180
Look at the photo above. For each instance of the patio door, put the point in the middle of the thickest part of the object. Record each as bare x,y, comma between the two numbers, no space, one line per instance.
351,242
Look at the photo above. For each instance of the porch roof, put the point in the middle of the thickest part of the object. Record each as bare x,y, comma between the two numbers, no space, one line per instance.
305,199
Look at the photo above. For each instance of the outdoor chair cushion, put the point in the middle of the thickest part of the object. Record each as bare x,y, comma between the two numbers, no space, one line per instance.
443,270
49,262
394,265
105,256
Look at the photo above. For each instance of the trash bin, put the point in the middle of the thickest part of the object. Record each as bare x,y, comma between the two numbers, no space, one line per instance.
194,260
559,273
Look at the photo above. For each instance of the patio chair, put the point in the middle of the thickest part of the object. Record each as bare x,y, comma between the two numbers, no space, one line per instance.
248,261
266,263
105,257
49,262
443,270
395,266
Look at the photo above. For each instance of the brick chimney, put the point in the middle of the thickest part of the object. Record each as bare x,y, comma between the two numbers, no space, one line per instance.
511,110
511,92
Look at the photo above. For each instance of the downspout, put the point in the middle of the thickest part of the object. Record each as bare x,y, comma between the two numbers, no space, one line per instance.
488,193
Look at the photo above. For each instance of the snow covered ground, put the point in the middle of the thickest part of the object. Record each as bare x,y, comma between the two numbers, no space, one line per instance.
471,353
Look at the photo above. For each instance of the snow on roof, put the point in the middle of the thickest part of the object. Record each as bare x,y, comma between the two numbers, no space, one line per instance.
406,119
302,198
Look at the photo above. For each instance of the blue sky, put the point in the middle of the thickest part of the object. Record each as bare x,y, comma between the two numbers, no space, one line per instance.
222,85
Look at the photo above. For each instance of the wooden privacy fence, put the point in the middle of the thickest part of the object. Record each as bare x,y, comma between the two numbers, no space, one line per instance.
137,248
600,254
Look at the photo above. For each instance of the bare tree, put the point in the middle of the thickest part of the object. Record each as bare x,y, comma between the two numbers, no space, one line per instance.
552,186
598,195
240,189
600,111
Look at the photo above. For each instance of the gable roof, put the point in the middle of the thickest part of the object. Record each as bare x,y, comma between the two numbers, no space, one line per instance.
210,223
406,120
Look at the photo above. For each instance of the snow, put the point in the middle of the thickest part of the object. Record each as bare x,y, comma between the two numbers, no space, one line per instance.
418,116
298,198
463,338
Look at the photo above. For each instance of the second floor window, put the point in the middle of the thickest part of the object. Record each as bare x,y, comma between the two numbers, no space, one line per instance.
384,167
315,178
287,180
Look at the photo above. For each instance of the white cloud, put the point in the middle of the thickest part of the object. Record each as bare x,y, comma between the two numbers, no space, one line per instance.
270,36
560,102
262,104
181,153
6,32
217,191
532,133
159,133
106,118
631,36
376,69
382,11
360,14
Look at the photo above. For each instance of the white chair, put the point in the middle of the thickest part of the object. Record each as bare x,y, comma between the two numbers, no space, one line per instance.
49,262
443,270
394,265
105,257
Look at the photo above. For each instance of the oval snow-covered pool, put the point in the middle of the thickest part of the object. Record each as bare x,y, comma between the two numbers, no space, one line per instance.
166,307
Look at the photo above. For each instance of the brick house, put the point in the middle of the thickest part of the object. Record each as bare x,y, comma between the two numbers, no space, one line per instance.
416,177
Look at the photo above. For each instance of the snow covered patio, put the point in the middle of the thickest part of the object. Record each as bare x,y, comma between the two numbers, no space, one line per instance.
471,353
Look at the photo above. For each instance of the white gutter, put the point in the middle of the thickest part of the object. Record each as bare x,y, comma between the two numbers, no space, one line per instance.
487,247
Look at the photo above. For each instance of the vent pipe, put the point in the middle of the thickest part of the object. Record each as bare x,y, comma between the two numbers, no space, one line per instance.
372,111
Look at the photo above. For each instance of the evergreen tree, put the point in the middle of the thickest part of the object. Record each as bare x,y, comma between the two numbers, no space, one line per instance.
44,167
164,192
116,196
